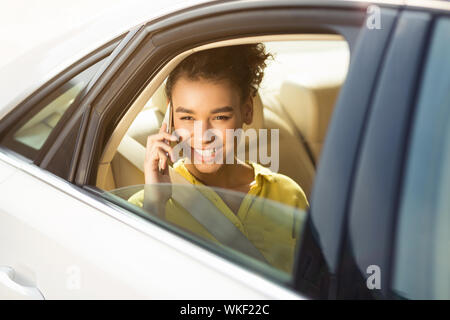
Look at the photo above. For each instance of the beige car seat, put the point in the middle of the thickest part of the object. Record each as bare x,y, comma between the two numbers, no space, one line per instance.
294,160
310,109
128,162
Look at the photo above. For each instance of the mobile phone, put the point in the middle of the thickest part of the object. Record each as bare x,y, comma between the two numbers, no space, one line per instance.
168,120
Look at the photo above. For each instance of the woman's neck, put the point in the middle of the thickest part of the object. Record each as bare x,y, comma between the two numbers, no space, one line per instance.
229,176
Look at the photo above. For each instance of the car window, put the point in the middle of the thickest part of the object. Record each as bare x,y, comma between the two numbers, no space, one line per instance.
291,112
262,234
29,136
422,256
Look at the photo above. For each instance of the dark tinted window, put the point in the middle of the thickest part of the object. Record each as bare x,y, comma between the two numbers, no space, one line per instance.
422,269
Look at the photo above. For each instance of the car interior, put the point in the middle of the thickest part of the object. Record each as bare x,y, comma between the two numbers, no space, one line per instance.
297,96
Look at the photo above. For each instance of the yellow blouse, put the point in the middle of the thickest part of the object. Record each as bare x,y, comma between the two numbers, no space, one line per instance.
272,226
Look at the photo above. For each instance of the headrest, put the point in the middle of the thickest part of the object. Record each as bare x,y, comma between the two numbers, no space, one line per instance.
310,109
158,100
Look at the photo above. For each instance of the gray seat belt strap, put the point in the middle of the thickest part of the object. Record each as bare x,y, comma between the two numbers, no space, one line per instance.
210,217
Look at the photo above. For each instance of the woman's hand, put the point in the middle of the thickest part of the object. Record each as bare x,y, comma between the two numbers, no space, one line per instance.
156,170
157,154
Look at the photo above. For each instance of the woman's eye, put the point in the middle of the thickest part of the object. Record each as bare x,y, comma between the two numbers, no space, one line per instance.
221,118
187,118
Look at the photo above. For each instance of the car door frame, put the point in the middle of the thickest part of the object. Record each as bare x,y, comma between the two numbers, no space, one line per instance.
87,132
86,196
103,109
321,249
159,51
30,106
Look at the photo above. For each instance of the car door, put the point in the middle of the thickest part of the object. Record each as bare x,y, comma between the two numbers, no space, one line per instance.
63,239
39,258
57,242
363,73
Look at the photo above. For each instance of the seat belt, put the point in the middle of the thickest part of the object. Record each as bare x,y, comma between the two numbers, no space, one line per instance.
200,207
210,217
194,202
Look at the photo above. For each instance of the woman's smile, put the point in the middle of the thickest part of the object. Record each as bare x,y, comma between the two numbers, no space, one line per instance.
207,155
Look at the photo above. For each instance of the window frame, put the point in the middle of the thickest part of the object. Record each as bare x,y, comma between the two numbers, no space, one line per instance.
265,271
128,48
155,53
34,103
321,254
344,19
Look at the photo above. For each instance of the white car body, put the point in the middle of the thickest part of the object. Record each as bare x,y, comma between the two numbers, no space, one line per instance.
64,244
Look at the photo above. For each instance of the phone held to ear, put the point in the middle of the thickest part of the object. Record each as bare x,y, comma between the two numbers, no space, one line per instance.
168,120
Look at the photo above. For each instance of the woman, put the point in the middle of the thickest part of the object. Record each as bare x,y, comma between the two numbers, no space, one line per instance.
213,90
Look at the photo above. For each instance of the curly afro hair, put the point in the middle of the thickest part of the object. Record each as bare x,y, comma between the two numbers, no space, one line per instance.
242,65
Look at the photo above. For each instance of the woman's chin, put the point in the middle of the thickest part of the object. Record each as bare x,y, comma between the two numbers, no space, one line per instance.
207,167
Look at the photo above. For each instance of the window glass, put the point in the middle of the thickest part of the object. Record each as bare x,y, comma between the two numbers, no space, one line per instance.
262,234
35,131
261,226
422,269
38,128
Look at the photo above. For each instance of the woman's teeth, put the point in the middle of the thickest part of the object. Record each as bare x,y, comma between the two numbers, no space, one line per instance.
206,152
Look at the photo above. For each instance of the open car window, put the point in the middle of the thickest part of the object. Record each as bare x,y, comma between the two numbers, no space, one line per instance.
263,234
292,109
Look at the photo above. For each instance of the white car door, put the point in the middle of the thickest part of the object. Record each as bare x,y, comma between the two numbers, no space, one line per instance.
57,242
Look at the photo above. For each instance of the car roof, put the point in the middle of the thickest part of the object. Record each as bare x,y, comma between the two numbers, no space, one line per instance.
22,76
26,73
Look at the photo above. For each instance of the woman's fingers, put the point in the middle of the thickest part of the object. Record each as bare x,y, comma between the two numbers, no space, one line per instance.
166,148
162,162
168,136
158,150
161,137
157,155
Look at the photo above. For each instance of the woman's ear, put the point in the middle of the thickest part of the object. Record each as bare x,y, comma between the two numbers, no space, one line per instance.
247,110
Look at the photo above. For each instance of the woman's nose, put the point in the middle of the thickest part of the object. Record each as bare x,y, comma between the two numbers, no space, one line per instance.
203,133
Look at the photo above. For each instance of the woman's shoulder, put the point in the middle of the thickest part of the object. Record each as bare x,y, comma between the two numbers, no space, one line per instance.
280,185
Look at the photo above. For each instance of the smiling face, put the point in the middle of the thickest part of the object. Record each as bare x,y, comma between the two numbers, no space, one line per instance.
214,105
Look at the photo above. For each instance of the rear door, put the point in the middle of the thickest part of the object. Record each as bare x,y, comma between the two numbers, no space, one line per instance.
61,237
318,263
57,241
50,241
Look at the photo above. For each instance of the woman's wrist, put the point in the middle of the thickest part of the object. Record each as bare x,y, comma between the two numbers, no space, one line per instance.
155,198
